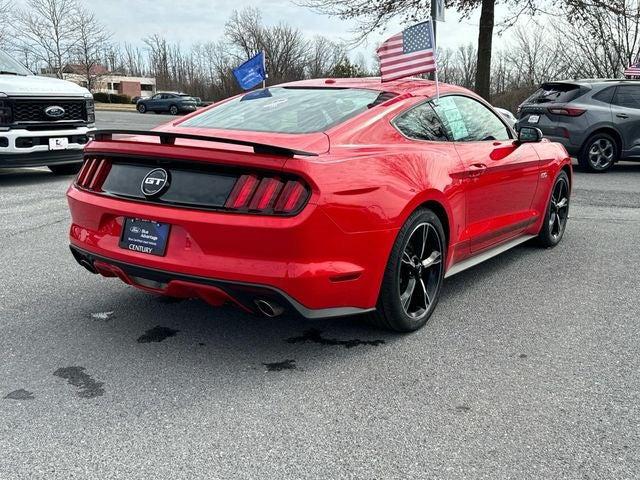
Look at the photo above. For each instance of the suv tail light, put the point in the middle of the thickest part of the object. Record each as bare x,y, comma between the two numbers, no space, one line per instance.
566,111
93,173
269,195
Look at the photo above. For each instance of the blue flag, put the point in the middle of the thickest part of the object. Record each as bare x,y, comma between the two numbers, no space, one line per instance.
251,72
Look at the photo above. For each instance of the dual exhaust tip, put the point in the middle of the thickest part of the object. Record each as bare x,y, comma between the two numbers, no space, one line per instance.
268,308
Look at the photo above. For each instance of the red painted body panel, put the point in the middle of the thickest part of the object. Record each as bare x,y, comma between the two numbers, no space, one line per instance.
365,181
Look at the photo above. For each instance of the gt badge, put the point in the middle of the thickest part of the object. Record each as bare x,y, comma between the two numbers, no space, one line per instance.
155,183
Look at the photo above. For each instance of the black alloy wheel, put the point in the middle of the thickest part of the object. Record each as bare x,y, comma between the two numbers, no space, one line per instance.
414,275
555,221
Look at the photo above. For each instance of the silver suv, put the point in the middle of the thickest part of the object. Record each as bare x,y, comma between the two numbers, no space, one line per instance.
598,121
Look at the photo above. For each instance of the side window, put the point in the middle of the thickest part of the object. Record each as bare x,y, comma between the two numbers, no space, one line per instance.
605,95
467,120
627,96
421,123
157,96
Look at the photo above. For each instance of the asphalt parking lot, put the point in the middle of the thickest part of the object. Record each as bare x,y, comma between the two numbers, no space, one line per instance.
529,368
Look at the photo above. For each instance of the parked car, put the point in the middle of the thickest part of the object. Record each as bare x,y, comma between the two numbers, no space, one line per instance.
43,121
598,121
172,102
507,115
322,197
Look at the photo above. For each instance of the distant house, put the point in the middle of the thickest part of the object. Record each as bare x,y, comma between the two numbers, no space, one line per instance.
111,82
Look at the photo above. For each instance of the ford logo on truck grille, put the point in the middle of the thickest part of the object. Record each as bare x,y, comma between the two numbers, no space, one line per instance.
155,183
54,111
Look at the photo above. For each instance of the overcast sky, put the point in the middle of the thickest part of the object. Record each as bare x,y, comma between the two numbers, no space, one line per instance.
193,21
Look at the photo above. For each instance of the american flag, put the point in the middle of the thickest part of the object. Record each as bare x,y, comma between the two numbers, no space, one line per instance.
408,53
633,71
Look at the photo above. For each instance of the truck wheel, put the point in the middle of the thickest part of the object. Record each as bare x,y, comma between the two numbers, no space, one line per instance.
66,169
142,108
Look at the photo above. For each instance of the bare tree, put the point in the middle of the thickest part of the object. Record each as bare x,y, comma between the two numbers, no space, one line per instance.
48,29
92,37
6,11
606,38
323,57
285,47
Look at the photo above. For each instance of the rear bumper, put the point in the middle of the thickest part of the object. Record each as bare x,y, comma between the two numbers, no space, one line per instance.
306,261
214,291
566,143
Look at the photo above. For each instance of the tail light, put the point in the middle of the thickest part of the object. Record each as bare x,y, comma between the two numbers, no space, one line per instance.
268,195
93,173
566,111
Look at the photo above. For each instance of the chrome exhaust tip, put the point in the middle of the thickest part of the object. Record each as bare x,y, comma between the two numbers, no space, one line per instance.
268,308
88,266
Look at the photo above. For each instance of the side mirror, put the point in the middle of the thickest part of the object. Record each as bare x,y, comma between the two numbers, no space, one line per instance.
529,135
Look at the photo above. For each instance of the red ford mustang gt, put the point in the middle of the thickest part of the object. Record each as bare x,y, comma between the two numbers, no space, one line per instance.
324,197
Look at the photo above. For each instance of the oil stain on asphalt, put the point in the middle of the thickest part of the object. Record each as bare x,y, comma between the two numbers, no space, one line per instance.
157,334
20,394
315,336
76,376
279,366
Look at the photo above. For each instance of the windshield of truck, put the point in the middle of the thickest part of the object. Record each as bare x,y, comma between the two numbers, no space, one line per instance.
8,66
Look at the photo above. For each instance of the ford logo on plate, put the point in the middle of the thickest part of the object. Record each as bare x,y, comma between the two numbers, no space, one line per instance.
155,183
54,111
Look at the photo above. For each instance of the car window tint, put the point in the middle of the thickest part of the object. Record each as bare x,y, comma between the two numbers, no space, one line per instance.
627,96
286,110
604,95
555,93
467,120
421,123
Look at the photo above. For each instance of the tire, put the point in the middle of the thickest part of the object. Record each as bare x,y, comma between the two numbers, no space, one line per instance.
599,153
173,110
555,219
142,108
66,169
394,310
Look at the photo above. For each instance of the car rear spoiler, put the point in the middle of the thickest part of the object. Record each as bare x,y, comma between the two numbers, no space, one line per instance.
169,138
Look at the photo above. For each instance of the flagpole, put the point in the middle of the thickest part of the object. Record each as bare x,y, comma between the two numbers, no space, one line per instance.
435,57
264,68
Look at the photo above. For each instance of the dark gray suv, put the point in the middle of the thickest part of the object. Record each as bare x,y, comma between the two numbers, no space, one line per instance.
598,121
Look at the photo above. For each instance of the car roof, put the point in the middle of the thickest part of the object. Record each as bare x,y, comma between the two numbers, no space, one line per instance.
413,86
593,82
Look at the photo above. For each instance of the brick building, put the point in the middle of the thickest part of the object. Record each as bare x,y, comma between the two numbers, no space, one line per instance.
111,82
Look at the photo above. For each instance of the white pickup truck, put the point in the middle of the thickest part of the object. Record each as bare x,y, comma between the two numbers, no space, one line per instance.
43,121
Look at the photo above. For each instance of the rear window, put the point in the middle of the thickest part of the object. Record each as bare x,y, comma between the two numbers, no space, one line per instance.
555,93
286,110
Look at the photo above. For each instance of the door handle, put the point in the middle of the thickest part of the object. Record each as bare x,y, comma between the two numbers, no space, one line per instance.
622,115
477,169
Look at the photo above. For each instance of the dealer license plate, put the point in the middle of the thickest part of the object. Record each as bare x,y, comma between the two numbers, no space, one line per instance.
145,236
58,143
